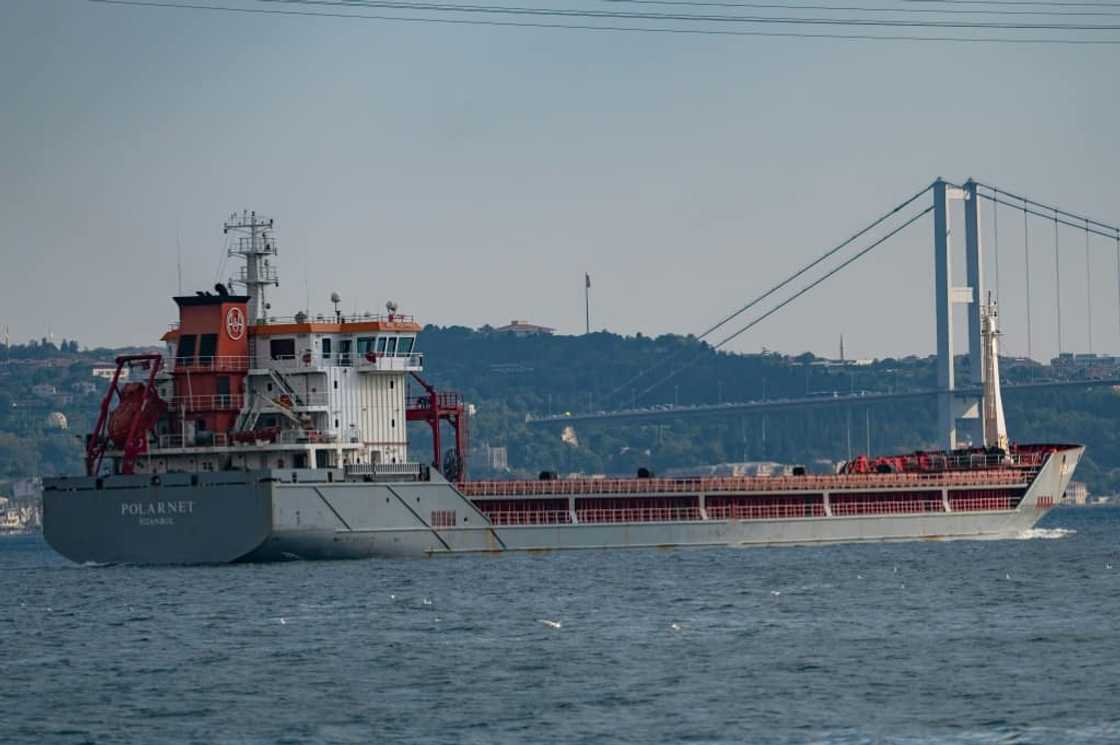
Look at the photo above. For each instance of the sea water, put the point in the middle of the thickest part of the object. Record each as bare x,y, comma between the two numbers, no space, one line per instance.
1008,641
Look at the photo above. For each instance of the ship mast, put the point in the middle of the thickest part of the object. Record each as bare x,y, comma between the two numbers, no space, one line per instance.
255,244
995,426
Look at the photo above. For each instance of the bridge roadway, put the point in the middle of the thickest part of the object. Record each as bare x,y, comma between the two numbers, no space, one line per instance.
817,400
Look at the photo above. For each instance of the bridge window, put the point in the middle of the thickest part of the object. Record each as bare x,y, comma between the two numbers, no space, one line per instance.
392,348
282,349
381,341
326,349
207,348
185,355
405,345
365,344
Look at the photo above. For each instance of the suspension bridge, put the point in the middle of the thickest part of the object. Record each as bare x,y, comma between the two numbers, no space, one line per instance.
959,402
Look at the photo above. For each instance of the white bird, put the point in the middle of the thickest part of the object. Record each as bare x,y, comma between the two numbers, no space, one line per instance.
553,624
1007,576
283,622
775,593
859,576
676,626
427,601
392,596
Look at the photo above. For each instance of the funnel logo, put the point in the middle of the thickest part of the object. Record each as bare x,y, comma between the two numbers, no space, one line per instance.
235,323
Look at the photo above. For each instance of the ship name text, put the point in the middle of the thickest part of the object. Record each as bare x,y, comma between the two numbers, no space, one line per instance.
157,513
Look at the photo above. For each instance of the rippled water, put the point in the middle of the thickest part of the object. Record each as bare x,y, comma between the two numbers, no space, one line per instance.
969,641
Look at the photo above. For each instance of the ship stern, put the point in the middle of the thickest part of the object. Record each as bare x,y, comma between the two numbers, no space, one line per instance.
167,519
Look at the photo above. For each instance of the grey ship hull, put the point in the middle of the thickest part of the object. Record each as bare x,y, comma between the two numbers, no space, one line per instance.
275,515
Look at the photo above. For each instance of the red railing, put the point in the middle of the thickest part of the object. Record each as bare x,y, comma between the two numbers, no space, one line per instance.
764,511
638,515
527,517
1000,477
887,507
983,504
448,400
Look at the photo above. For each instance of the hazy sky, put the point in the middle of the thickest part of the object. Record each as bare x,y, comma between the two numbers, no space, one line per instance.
474,174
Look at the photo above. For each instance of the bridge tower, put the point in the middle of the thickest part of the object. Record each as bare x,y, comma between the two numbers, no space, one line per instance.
953,405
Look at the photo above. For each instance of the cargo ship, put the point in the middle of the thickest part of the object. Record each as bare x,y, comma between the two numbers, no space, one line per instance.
257,437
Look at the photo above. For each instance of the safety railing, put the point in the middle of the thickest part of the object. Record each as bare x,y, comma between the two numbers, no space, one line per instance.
764,511
215,439
447,400
287,401
999,477
390,362
302,436
887,507
330,318
230,363
982,504
525,517
638,515
246,439
370,362
208,402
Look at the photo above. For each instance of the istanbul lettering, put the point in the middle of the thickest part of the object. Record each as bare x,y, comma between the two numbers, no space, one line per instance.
157,513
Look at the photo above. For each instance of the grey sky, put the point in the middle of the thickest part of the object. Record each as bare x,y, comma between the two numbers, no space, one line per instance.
474,174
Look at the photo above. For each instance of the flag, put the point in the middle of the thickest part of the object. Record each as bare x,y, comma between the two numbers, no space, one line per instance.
587,280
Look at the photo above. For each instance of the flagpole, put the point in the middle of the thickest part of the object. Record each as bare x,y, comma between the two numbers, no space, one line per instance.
587,301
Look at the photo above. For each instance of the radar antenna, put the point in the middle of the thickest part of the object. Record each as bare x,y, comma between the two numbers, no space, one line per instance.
254,243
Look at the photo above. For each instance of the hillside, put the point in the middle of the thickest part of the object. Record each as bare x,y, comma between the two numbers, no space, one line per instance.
507,377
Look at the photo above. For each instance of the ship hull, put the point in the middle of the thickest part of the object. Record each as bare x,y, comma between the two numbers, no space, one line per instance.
282,515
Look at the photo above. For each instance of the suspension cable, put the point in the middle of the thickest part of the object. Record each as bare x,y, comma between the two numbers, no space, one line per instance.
793,297
727,319
1102,229
1050,208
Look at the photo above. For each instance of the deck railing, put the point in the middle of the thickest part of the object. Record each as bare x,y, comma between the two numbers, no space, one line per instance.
764,511
530,517
887,507
982,504
581,487
638,515
208,402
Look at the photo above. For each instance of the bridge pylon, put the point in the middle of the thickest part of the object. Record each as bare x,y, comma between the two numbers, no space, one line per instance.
953,405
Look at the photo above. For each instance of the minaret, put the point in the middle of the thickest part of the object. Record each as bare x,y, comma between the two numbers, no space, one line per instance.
995,426
255,244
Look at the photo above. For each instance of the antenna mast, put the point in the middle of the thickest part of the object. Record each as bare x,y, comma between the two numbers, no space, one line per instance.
995,426
255,244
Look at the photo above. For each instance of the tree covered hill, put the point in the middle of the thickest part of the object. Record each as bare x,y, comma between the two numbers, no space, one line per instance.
507,377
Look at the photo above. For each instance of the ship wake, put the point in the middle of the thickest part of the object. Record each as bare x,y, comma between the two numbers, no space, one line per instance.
1045,533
